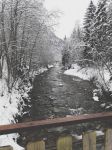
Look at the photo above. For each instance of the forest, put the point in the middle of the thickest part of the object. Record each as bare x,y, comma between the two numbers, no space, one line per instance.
27,41
90,46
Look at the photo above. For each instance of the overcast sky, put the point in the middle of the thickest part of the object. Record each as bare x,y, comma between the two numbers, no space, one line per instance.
73,12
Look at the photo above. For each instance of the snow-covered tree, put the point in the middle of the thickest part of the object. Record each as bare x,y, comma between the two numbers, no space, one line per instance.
109,32
76,42
88,20
24,24
66,54
99,30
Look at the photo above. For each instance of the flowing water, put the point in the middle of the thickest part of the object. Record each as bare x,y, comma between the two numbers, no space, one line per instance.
55,94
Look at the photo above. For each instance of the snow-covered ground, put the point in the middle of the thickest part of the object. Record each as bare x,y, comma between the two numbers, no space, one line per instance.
8,109
87,73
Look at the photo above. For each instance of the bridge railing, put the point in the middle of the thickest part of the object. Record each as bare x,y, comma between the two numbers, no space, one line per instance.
64,142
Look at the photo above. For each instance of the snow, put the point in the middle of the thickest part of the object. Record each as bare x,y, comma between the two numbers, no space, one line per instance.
60,84
6,140
99,133
50,66
89,73
41,70
95,97
8,108
100,76
103,105
83,73
5,69
76,111
107,107
77,137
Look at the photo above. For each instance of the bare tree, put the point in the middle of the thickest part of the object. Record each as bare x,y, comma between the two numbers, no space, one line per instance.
24,36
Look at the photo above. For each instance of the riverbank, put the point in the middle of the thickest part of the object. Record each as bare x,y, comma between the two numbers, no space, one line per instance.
12,104
99,76
88,73
8,109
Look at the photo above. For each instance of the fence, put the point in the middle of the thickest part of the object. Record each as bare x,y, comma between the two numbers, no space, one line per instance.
64,142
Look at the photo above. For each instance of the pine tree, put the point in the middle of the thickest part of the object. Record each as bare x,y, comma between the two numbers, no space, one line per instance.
109,32
77,35
66,54
100,29
88,20
87,29
76,43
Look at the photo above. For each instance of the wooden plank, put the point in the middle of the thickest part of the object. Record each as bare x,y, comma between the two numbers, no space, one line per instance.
39,145
108,139
5,129
6,148
64,143
89,141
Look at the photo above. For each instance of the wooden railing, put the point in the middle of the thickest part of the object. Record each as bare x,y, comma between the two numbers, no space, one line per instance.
64,142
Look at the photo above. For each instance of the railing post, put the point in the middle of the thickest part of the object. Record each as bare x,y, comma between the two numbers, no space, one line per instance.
108,139
64,143
39,145
89,141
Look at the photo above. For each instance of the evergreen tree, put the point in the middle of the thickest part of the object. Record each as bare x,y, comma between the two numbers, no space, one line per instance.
100,29
77,35
88,20
87,29
109,32
66,54
76,42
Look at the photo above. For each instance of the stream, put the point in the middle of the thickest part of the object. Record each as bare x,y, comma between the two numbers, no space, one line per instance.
55,94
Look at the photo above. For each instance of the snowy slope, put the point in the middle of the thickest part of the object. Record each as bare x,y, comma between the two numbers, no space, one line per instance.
89,73
9,103
8,108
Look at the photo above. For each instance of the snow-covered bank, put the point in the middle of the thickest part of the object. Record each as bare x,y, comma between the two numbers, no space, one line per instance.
8,109
12,104
89,73
40,70
100,76
77,71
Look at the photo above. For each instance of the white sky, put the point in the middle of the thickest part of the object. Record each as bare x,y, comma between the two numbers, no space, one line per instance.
73,11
